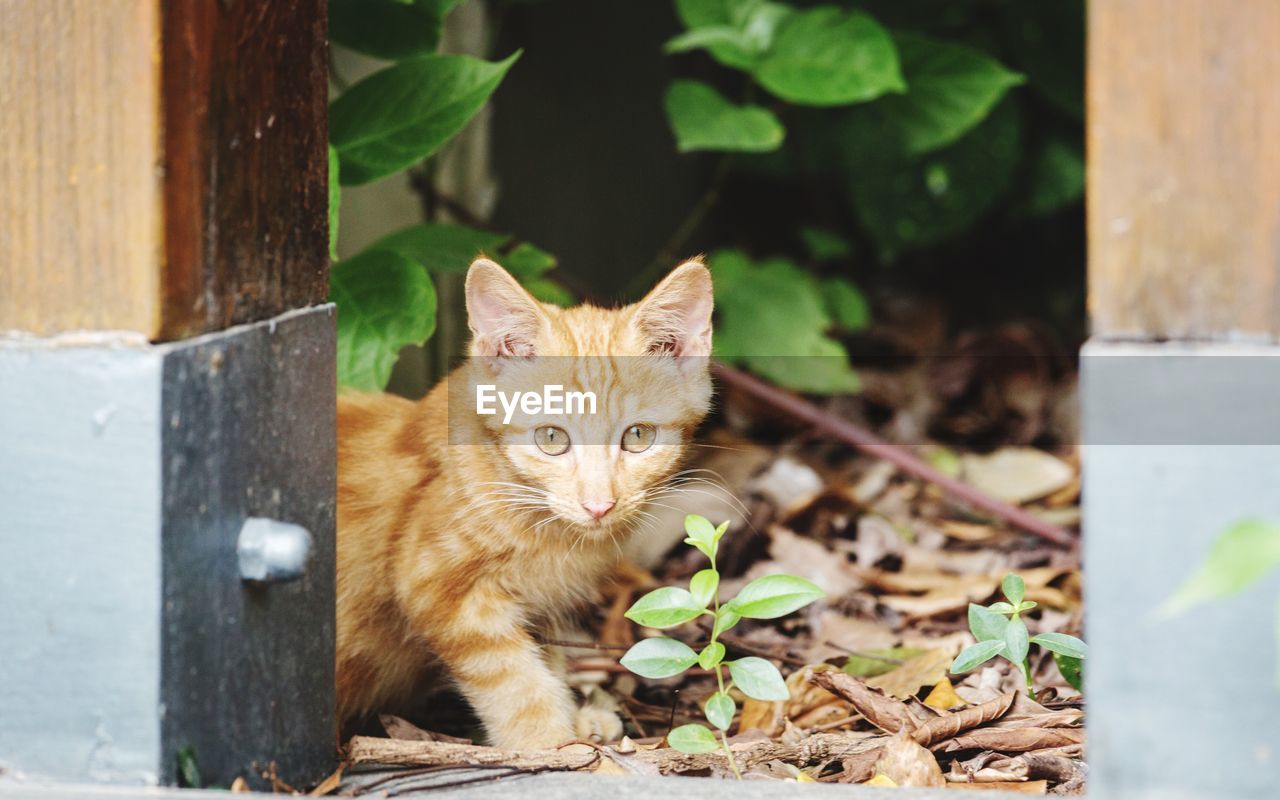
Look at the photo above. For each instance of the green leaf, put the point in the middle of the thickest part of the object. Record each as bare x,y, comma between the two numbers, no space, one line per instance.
1062,644
702,535
548,291
442,247
659,657
526,262
1071,669
1013,587
758,679
402,114
720,709
335,202
773,318
1026,605
909,203
720,530
774,596
726,619
1241,555
724,37
390,29
826,56
692,738
703,586
953,88
711,655
1015,640
848,305
824,245
1057,177
664,608
702,119
1001,607
735,32
863,666
976,654
987,624
188,769
385,302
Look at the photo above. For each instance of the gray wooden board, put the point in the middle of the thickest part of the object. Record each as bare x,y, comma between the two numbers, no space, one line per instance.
126,471
248,670
1184,707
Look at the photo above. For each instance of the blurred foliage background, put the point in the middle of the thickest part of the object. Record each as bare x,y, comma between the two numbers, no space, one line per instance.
831,158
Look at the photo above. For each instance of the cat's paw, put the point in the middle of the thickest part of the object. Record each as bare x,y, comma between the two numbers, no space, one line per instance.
592,723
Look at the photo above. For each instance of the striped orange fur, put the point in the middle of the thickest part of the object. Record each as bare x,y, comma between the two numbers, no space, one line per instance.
462,556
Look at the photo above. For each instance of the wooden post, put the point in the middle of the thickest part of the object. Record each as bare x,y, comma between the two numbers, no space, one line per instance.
163,174
1184,169
164,164
1179,389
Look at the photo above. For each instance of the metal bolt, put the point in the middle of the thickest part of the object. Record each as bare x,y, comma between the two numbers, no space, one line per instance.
271,551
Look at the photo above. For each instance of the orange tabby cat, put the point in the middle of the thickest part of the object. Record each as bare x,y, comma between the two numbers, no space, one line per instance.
466,554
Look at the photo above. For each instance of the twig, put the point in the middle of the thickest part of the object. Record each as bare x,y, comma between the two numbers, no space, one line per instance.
898,455
812,749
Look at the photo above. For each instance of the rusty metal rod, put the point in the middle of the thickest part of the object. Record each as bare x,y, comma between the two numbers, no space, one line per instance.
898,455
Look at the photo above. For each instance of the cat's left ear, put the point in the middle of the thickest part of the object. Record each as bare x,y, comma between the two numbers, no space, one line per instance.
675,317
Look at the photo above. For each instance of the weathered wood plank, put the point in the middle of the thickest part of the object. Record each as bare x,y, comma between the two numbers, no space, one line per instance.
164,164
79,148
246,162
1184,168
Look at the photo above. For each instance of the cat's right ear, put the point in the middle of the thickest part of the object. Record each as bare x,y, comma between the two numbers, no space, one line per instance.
504,319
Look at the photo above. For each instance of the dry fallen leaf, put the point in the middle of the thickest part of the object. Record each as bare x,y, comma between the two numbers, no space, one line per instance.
1013,740
883,781
925,669
943,696
908,764
941,728
884,712
1017,474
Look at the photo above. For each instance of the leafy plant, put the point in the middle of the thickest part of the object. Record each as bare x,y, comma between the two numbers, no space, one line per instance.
662,657
1000,631
390,122
905,109
1241,556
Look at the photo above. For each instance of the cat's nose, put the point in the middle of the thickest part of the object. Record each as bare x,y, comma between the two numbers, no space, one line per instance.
597,508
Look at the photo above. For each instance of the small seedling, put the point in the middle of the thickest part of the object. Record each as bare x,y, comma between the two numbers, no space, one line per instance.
661,657
1000,631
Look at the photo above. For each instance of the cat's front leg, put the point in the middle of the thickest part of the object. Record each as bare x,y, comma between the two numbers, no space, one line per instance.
503,674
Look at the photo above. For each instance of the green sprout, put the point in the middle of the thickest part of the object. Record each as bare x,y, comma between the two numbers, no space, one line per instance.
662,657
1000,631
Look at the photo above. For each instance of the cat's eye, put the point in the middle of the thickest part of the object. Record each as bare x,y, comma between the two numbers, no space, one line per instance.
638,438
551,440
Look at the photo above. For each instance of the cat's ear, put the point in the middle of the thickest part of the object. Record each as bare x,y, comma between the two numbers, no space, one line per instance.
504,319
675,317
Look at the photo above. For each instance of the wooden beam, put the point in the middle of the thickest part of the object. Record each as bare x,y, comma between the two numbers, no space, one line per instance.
1184,168
165,166
79,192
246,161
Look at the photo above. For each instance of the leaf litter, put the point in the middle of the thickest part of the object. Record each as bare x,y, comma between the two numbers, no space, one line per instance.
870,698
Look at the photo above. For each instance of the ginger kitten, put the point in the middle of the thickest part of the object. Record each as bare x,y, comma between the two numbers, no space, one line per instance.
462,540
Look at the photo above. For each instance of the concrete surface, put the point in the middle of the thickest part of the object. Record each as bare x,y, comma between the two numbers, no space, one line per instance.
552,786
